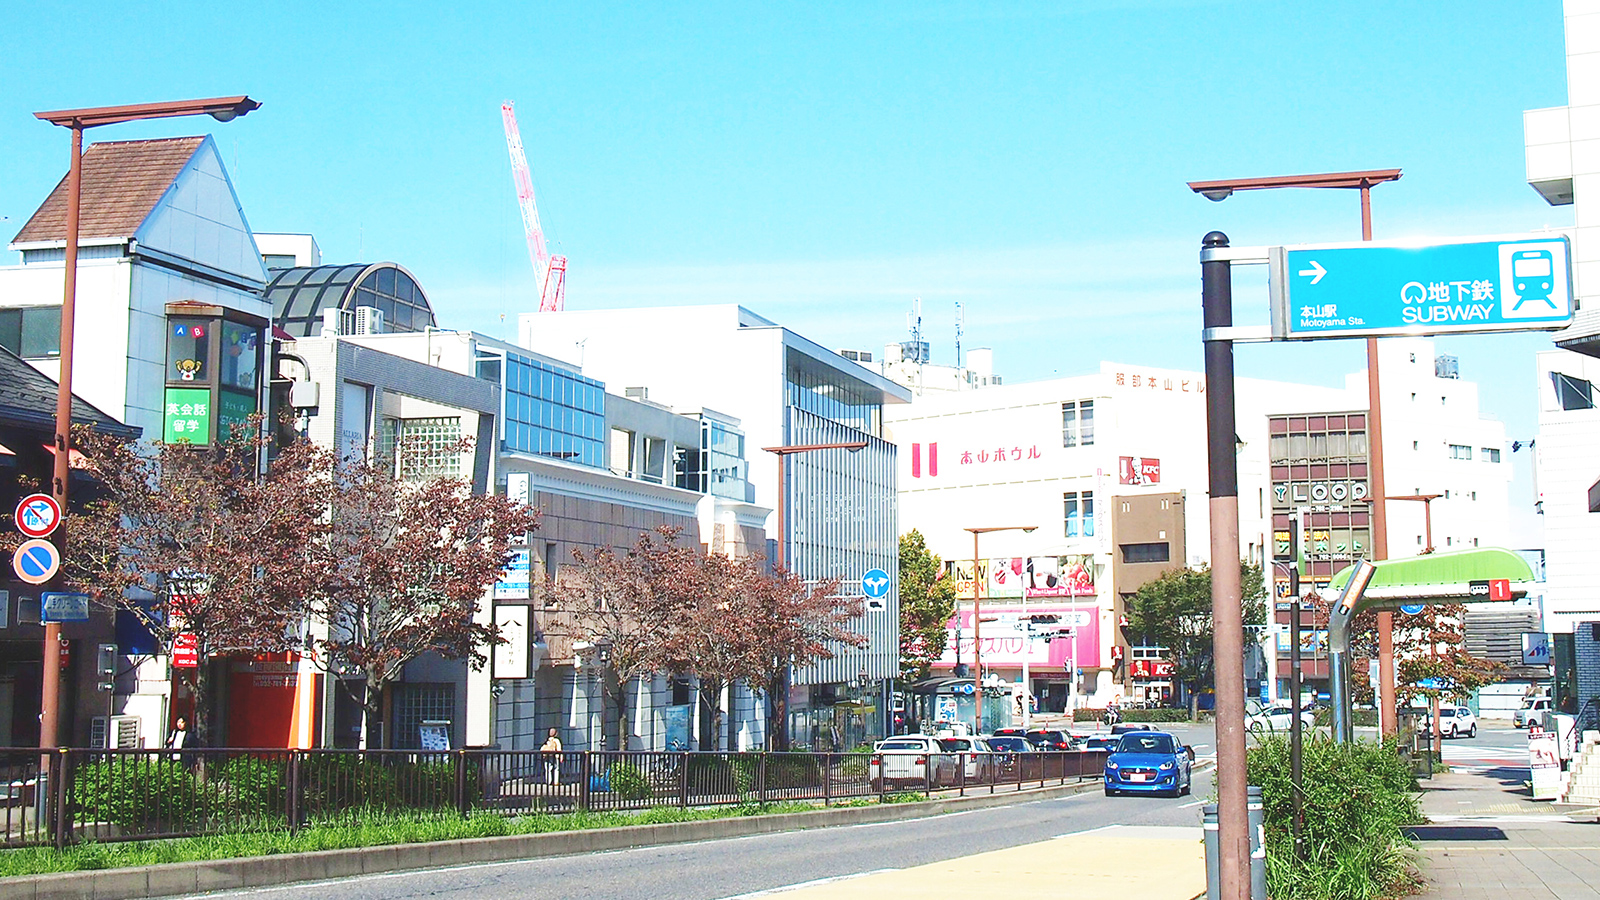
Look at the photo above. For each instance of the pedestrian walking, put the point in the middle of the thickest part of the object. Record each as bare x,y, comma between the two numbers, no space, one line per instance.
552,758
177,737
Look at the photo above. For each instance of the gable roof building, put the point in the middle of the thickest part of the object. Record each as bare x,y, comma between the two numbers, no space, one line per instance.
160,224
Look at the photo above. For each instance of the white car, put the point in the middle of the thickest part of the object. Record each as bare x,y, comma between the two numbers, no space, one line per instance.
1533,710
911,760
1278,717
1454,721
976,755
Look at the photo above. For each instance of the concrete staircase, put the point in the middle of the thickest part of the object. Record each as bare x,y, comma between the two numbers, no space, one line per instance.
1583,777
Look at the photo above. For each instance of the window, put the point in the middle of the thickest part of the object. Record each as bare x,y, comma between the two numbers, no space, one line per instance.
31,332
423,448
1154,552
241,355
1573,393
188,350
1491,454
1077,423
1460,451
1079,507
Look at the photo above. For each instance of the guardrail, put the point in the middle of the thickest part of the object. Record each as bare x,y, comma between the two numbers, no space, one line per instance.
70,795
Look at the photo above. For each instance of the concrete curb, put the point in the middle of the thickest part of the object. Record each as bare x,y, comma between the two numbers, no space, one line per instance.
176,879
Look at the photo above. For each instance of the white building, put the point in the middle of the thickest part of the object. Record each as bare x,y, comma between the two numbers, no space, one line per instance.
1566,468
1437,440
1563,165
840,514
1111,468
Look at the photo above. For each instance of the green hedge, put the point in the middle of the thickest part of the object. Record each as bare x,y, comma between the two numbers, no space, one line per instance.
141,794
1133,715
1357,798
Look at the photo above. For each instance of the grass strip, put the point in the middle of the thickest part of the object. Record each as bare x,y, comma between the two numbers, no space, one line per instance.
375,832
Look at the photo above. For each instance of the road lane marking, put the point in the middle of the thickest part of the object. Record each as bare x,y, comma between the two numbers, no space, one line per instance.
1192,805
802,885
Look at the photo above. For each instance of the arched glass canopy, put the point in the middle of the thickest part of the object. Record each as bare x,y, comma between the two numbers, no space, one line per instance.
300,295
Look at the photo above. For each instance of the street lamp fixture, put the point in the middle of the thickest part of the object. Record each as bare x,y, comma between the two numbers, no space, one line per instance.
780,558
977,620
1427,514
223,109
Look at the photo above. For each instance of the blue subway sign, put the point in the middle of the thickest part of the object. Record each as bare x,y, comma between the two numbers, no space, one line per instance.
1517,283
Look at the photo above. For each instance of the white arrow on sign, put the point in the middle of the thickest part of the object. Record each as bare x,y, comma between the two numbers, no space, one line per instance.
1316,271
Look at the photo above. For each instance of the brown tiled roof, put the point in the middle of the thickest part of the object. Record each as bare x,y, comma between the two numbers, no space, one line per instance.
122,182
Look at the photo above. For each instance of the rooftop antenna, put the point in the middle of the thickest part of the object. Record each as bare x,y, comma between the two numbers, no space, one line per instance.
960,326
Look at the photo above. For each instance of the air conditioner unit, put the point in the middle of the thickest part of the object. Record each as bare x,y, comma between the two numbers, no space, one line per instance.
330,321
369,320
115,733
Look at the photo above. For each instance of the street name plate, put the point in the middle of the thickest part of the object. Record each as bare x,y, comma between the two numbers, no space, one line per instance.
1511,283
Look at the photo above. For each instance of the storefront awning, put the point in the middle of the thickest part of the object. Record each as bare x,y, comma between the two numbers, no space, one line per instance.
1443,577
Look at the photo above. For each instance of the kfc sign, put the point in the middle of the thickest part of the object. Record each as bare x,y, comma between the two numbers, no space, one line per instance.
1138,470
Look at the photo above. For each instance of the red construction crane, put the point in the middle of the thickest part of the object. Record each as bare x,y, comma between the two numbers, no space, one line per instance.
549,271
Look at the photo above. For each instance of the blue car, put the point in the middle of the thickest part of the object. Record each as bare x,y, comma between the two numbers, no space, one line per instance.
1149,762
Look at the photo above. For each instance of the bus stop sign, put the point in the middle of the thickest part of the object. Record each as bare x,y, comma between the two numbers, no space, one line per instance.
1515,283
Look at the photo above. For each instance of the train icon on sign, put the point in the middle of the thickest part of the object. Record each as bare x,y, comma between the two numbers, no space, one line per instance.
1534,280
1533,277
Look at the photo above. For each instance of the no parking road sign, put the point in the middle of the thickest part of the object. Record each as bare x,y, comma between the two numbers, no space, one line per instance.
36,561
38,515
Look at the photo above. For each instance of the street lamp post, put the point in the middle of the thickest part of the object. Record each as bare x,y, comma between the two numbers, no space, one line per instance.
1363,181
780,562
977,619
1426,500
223,109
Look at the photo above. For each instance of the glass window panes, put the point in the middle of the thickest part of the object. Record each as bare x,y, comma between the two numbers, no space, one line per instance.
1078,507
1077,423
241,355
1573,393
553,412
189,343
31,332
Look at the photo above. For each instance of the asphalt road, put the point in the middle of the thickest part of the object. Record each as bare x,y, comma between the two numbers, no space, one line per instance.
714,870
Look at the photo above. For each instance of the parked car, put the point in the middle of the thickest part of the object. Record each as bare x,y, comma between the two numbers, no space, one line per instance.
1454,721
1014,756
910,760
1101,742
974,755
1149,762
1050,740
1278,717
1533,710
1125,727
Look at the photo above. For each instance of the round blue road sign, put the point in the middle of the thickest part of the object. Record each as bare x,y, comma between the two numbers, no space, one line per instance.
875,584
36,561
1411,609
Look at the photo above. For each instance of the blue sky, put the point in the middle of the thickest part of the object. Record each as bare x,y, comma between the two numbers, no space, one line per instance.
826,163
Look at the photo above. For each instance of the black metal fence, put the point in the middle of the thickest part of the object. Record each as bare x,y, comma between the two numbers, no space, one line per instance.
71,795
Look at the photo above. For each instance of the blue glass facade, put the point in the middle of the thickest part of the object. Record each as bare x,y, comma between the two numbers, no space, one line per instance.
551,411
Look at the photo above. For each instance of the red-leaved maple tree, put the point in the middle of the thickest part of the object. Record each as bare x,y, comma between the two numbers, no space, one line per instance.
402,568
193,541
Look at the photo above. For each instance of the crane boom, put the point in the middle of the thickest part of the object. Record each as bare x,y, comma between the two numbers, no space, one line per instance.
549,272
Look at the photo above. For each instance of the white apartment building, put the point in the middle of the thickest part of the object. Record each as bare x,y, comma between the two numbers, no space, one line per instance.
1563,165
1111,468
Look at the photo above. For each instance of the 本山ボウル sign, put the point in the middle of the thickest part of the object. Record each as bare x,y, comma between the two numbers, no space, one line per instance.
1516,283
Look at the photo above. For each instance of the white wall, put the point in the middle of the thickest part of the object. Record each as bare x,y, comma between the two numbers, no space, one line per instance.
1566,464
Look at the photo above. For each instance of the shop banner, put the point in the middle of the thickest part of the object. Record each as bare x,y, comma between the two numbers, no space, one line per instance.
1010,578
1005,641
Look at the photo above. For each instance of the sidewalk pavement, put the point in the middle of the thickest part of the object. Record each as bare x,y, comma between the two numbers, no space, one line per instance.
1489,839
1143,861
